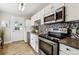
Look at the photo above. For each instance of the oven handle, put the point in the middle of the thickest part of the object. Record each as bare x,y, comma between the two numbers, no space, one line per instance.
48,41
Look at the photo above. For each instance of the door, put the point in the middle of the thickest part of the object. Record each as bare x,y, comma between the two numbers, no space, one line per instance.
17,28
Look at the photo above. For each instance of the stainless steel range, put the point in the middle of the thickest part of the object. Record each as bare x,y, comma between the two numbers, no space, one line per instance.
48,43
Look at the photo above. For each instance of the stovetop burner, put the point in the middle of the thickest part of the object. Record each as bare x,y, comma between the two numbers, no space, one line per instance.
53,36
49,37
57,35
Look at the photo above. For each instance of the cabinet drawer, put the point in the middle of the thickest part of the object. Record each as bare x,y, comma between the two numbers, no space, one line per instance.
69,50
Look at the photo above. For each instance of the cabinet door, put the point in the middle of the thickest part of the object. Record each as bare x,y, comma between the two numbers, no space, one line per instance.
69,50
28,22
57,5
35,17
28,25
48,10
72,11
33,43
38,16
36,43
42,16
32,20
31,39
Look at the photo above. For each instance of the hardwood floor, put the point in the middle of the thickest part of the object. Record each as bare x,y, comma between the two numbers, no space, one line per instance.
17,48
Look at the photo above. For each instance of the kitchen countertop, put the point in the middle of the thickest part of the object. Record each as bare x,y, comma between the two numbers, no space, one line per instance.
66,41
70,42
35,33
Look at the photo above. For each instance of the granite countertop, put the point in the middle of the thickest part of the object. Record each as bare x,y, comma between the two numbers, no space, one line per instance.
35,33
70,42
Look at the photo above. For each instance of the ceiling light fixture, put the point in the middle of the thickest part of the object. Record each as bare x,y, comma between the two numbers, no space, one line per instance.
21,6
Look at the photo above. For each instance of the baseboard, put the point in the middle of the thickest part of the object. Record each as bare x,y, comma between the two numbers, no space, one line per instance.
25,41
8,42
11,41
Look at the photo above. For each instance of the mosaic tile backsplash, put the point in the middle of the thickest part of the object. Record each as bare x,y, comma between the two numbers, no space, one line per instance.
44,28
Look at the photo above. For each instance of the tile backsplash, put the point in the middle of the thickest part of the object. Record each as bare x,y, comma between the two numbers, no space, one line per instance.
43,28
70,25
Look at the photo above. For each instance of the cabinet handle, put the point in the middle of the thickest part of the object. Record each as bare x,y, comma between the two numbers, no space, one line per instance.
67,49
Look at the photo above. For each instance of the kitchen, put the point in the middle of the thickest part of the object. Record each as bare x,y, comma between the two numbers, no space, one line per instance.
58,29
52,30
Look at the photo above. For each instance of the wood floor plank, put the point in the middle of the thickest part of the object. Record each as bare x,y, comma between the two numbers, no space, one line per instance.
17,48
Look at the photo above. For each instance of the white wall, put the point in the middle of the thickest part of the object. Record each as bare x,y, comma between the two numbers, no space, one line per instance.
7,17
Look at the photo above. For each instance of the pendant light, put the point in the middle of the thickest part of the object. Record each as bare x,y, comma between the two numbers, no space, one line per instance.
21,6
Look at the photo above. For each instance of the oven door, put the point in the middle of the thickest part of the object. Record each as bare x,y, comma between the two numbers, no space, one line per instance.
48,48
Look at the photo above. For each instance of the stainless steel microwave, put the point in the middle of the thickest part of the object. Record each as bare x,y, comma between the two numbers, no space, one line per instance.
49,19
60,14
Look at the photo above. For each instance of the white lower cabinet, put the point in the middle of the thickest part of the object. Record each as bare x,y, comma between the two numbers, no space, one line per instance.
31,40
67,50
34,42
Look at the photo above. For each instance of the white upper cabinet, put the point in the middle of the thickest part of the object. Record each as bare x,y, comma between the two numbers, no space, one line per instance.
42,16
28,26
72,11
32,20
28,22
48,10
57,5
38,16
35,17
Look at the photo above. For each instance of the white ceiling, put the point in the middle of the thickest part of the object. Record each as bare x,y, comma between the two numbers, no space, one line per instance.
30,8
